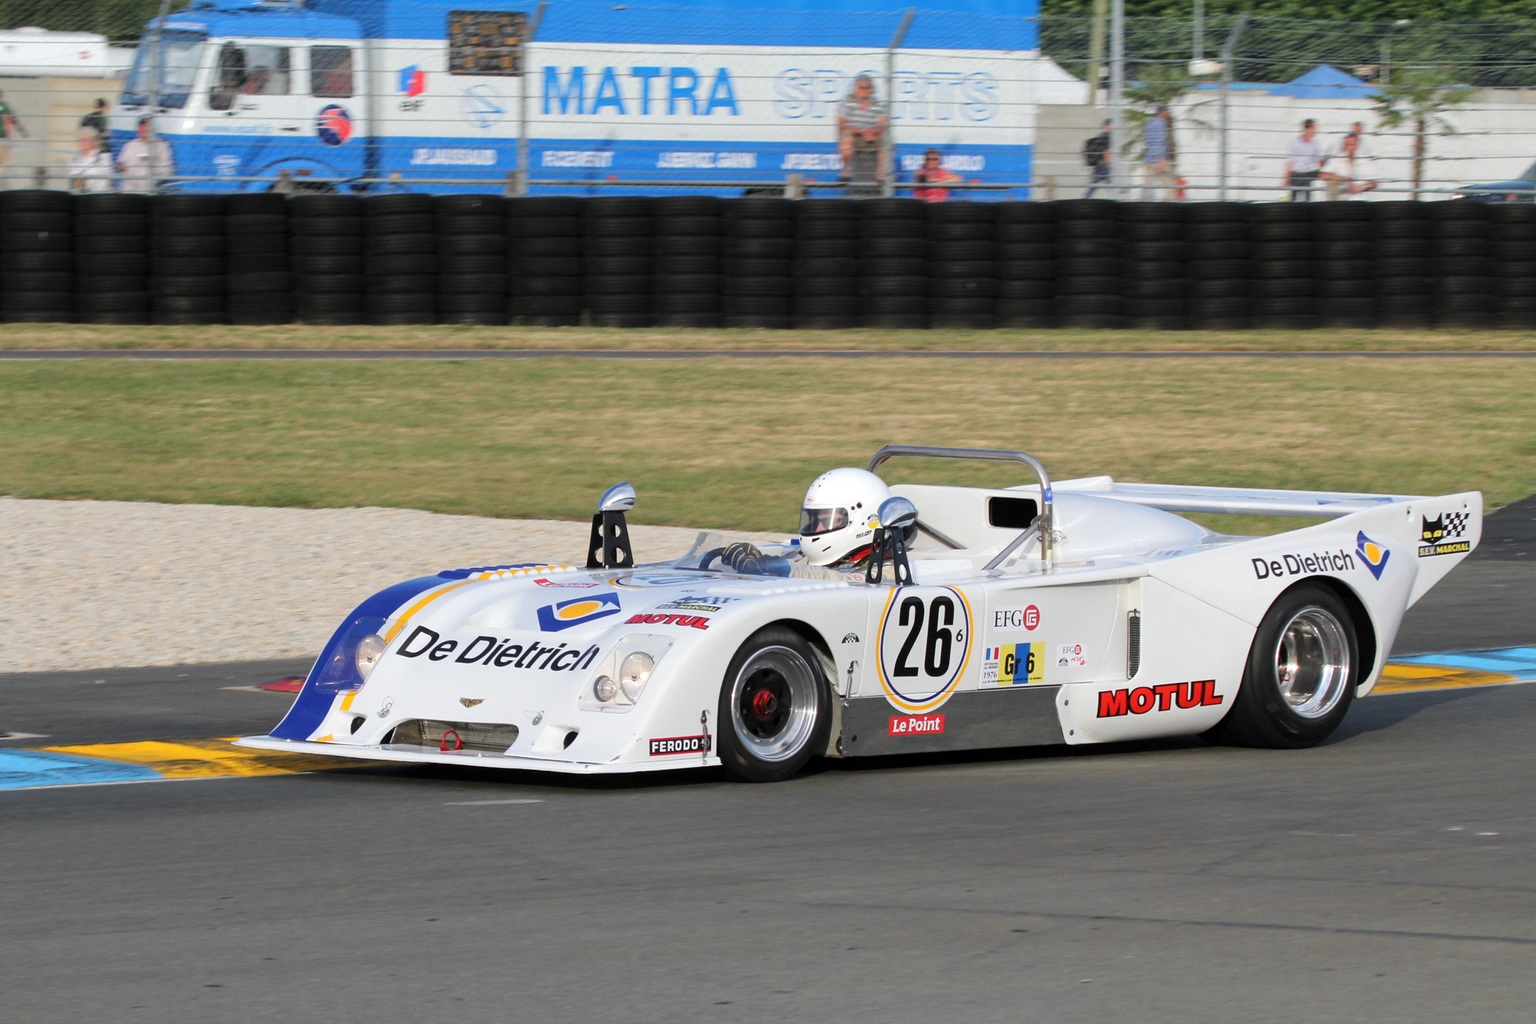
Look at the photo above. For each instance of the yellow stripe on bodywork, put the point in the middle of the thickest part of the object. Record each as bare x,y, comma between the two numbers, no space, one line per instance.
199,759
1400,677
421,603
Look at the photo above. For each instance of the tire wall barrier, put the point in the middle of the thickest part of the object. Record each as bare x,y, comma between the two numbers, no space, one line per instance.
700,261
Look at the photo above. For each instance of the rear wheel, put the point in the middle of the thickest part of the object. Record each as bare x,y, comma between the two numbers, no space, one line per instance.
775,707
1301,676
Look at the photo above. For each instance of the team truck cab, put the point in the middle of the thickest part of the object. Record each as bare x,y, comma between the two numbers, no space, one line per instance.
436,95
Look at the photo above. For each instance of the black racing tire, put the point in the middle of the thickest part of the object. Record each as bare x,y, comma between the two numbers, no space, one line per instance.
1301,675
775,709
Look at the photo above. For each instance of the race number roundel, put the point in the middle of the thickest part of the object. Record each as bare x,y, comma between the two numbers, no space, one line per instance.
925,643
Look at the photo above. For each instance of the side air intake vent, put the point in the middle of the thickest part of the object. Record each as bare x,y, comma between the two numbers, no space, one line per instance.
1133,644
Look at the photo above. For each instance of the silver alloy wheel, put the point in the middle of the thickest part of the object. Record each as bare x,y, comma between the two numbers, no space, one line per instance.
1312,665
773,704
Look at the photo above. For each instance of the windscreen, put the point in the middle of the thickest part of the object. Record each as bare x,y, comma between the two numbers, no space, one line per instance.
176,58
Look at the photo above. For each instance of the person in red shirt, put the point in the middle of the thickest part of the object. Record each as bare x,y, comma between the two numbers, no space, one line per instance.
932,172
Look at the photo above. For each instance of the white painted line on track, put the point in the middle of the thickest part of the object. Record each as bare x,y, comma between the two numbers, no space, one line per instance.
487,803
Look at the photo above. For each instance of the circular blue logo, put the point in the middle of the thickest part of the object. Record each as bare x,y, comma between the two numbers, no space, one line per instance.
333,125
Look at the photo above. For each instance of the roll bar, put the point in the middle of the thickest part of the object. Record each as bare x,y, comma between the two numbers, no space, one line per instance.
1044,522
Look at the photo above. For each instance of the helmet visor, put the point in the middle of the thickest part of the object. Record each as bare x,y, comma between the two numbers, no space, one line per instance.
815,521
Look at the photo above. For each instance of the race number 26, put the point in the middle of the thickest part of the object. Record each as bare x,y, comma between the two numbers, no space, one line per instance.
925,637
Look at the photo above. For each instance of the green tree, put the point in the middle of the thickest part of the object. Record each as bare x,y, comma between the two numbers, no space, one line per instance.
1421,97
118,20
1157,85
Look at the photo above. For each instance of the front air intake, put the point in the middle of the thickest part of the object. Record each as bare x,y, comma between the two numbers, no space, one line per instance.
430,734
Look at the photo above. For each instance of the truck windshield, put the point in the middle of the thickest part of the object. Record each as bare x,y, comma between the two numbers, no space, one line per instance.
177,60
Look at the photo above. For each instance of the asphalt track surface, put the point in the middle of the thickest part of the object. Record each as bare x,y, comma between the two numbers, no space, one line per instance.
684,354
1389,875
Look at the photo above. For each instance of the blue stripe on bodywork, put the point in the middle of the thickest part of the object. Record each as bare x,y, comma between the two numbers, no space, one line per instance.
29,769
313,703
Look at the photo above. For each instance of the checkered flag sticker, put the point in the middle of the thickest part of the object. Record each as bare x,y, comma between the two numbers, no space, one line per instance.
1455,523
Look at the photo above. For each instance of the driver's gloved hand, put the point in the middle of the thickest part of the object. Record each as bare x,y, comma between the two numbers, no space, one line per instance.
741,557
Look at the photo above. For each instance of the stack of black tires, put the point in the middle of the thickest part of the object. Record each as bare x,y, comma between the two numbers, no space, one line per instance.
1463,263
326,233
260,284
1219,269
544,243
618,263
686,253
471,258
827,268
1404,272
1090,281
188,258
1157,265
894,240
1285,265
962,265
112,258
37,278
400,259
1346,265
1513,236
1026,265
759,284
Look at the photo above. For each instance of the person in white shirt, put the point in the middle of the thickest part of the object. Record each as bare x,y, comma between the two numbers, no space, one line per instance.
145,161
1350,174
1303,162
91,169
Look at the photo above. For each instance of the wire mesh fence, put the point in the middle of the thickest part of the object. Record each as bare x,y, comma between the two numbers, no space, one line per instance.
590,97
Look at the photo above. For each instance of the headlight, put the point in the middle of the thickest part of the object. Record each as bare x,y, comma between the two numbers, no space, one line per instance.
634,673
621,677
369,650
604,688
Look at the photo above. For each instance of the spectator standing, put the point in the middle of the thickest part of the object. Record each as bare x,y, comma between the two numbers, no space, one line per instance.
1349,173
96,120
931,173
10,128
861,127
1097,155
1157,177
1303,162
145,161
91,169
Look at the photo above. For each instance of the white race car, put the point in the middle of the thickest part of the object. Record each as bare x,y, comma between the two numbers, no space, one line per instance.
1081,612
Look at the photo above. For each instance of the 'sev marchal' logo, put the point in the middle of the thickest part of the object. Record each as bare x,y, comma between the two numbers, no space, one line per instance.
1441,535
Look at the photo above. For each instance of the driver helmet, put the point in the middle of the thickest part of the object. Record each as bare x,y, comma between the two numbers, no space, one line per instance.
840,514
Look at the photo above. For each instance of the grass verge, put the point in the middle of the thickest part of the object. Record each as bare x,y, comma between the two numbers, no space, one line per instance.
80,336
734,442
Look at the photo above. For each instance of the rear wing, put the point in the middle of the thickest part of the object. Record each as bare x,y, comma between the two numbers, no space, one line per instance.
1235,500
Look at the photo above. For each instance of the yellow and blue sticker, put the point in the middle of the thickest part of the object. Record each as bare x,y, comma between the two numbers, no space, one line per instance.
565,614
1014,665
1372,554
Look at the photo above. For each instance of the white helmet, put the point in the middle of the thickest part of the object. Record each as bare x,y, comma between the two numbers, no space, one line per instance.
840,514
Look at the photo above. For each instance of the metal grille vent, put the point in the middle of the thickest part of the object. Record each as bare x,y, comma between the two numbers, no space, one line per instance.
483,737
1133,644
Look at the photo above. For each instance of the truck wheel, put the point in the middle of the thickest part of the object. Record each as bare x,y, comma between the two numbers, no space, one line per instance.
775,707
1301,676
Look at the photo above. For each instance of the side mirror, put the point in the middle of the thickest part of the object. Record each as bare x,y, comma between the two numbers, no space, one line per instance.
618,498
608,546
897,513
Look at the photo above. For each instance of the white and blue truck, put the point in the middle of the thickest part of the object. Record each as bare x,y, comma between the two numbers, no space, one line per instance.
438,95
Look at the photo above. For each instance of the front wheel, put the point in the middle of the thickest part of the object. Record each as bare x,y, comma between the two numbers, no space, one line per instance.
775,707
1301,676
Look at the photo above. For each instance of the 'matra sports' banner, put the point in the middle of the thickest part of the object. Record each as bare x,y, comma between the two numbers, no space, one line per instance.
742,112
